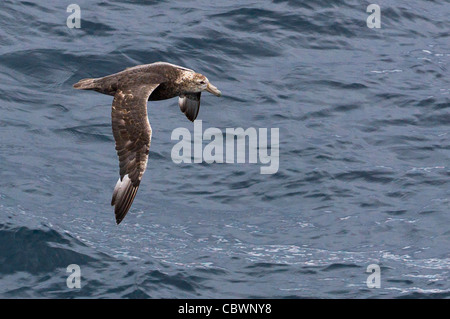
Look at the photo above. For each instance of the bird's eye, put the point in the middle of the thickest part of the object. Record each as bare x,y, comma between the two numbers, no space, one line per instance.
202,82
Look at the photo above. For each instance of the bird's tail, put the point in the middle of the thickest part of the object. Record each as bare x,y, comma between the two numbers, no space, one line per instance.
85,84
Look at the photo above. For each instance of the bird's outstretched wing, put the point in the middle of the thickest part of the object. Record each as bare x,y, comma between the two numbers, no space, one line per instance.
132,132
190,105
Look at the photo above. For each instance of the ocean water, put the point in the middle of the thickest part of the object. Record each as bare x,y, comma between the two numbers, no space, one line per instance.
364,151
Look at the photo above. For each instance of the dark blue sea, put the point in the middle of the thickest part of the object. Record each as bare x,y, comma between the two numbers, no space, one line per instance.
364,151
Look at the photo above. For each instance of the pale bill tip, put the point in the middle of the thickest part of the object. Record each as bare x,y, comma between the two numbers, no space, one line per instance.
213,90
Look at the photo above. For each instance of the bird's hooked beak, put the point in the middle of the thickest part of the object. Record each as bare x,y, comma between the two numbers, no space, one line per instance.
213,90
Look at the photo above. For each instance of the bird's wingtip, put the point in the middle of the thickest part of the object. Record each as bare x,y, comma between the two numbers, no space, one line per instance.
123,196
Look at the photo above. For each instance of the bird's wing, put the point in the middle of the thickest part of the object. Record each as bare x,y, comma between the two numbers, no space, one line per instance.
132,132
190,105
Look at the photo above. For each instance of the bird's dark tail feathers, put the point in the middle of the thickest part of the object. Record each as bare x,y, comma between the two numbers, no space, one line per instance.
86,84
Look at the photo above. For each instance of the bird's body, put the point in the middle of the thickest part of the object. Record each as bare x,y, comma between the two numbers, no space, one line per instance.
132,88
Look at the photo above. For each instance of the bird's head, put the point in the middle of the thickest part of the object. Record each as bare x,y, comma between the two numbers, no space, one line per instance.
198,83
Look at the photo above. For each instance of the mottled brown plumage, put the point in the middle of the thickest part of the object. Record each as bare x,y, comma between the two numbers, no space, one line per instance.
132,88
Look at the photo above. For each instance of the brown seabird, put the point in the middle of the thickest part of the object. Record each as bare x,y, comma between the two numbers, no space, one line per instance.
132,88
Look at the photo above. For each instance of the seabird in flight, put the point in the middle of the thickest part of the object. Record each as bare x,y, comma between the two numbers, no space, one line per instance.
132,88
